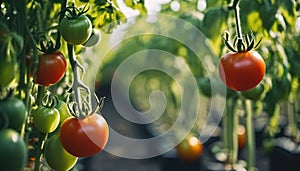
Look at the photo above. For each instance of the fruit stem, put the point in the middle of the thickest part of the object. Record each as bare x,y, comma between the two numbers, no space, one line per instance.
235,7
39,148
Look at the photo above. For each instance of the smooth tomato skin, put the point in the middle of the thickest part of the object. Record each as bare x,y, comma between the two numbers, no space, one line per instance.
15,111
93,39
51,68
84,137
241,71
56,156
189,149
76,31
45,119
13,151
8,71
63,111
254,93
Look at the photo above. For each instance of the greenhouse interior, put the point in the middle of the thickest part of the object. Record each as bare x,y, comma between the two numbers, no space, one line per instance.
160,85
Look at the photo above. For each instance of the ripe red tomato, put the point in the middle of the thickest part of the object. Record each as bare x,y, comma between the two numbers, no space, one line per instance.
51,68
84,137
189,149
241,71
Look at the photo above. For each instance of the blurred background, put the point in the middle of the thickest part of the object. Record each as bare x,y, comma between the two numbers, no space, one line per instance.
167,48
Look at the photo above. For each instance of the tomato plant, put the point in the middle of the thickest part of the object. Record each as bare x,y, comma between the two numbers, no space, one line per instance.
15,111
45,119
76,30
56,156
84,137
51,68
242,71
189,149
12,151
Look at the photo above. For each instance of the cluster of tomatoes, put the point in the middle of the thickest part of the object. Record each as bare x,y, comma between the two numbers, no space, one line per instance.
48,126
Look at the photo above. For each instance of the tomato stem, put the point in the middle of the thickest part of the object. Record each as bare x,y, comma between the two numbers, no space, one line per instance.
249,135
81,109
240,44
230,131
39,148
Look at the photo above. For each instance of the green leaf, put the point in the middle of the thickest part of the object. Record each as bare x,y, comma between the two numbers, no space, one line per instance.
254,21
137,5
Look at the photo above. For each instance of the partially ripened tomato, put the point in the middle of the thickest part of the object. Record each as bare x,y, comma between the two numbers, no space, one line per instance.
189,149
84,137
241,71
241,136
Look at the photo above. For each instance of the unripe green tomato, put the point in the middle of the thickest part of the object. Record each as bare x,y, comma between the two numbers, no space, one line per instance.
15,111
77,30
64,112
8,72
45,119
13,151
56,156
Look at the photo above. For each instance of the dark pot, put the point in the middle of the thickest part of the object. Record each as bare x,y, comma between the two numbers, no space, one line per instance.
285,155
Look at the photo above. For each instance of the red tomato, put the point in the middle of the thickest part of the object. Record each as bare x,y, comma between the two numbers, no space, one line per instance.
84,137
51,68
189,149
242,71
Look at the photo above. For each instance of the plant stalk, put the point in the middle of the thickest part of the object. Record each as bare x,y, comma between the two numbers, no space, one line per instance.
250,136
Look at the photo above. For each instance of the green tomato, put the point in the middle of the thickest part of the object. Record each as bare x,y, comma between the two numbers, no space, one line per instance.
13,151
93,39
8,72
259,92
15,111
77,30
45,119
204,84
63,111
254,93
56,156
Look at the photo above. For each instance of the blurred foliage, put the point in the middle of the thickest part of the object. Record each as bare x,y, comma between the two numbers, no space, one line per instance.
273,21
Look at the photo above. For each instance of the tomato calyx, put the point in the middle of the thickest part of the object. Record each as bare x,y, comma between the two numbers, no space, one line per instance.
239,45
74,12
49,101
48,47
